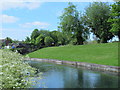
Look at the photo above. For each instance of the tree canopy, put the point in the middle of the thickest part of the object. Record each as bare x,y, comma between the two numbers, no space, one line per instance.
115,19
70,23
96,17
34,35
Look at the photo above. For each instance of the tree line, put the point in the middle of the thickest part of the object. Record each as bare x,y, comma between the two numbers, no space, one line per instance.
99,18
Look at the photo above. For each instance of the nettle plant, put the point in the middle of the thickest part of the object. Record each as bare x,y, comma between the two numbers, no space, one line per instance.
15,73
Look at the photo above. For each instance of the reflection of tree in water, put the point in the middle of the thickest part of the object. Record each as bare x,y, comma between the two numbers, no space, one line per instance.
97,80
107,81
70,77
90,80
80,79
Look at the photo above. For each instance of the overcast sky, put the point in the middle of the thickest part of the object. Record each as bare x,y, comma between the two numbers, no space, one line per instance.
20,17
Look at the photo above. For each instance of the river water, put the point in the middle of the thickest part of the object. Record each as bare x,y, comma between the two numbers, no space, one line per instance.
64,76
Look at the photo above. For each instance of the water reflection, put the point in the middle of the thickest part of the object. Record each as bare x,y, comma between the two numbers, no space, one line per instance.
60,76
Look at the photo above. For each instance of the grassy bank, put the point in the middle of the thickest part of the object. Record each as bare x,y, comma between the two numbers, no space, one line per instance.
106,54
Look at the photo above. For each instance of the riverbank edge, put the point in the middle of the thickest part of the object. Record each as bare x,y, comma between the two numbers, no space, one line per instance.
115,69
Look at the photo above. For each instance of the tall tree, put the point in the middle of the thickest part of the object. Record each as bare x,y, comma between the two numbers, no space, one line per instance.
71,23
96,17
115,19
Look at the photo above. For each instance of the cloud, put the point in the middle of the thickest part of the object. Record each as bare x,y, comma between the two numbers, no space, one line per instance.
8,19
35,24
5,5
33,5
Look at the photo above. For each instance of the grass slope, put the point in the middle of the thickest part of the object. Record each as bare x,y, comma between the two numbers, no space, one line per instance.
106,54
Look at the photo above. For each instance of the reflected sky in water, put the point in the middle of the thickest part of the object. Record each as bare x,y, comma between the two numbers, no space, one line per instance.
61,76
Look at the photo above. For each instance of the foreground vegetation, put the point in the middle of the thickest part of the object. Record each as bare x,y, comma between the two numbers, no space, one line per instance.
105,54
14,72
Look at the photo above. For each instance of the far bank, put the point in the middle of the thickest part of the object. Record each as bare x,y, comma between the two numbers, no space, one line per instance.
104,54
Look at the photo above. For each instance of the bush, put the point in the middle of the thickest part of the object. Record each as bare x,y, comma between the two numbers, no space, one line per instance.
15,73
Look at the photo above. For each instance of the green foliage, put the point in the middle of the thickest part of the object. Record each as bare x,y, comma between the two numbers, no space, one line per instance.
48,41
40,40
115,19
44,32
73,41
105,54
27,40
54,35
15,73
34,35
63,38
96,17
71,23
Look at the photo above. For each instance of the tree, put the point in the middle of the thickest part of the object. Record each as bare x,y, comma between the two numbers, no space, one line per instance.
54,35
40,41
71,23
115,19
34,35
63,38
45,32
48,41
59,38
27,40
96,17
8,40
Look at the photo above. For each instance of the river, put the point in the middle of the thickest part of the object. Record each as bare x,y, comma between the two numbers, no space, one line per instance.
64,76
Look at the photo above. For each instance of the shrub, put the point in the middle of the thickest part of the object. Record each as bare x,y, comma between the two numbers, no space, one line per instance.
14,73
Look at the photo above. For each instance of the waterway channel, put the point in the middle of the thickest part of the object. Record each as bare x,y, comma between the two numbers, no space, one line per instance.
65,76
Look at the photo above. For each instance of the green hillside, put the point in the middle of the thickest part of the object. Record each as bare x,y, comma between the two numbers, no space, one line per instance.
106,54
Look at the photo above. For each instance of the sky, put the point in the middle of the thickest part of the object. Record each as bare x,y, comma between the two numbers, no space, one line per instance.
20,17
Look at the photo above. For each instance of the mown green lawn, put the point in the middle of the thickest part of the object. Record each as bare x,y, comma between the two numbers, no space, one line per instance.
105,54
